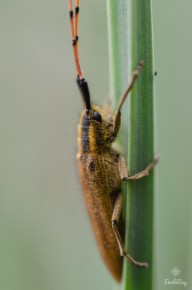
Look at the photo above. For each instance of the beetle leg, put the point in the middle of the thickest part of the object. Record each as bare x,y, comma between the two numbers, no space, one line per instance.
115,219
117,115
124,171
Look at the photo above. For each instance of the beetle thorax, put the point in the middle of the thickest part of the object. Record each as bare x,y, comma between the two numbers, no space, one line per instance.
95,132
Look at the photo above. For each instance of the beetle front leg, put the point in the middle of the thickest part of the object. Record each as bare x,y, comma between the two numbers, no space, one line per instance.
115,218
123,171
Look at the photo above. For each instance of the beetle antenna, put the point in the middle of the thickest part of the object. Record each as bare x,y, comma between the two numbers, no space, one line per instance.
82,83
76,21
74,32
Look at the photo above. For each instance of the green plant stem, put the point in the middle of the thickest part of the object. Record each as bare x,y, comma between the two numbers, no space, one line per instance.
118,58
139,215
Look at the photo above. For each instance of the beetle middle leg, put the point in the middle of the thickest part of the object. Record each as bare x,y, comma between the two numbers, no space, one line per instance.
115,219
123,171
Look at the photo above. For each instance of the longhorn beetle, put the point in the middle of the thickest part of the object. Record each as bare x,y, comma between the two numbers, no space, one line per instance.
101,168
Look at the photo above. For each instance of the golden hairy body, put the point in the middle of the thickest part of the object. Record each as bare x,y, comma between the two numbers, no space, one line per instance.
101,182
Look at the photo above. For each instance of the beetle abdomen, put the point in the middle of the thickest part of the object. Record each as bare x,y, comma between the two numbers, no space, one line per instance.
101,182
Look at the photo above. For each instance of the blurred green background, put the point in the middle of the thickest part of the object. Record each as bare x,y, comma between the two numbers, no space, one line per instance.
46,241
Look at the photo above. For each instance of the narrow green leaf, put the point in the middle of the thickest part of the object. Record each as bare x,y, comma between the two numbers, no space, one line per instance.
118,58
131,20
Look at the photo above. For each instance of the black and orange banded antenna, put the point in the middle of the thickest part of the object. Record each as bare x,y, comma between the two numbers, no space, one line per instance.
82,83
76,20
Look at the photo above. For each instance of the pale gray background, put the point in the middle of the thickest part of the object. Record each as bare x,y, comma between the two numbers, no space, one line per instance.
46,242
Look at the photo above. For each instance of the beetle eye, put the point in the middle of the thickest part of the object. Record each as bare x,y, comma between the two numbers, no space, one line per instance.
97,116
